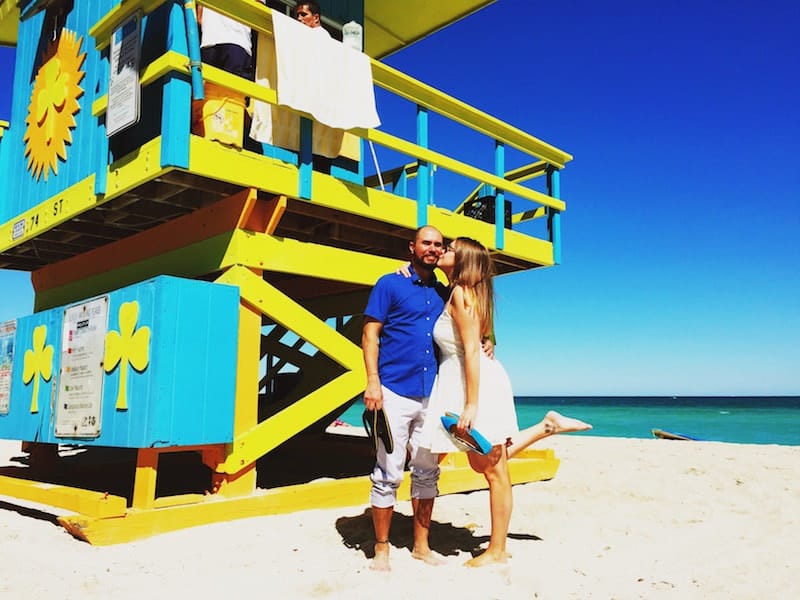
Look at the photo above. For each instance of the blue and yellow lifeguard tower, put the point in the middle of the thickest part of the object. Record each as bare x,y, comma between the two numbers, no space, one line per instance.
198,297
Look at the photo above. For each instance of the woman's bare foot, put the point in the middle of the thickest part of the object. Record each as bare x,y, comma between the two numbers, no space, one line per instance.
558,423
381,560
488,558
429,557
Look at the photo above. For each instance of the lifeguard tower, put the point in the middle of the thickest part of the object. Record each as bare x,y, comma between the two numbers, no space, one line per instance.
198,293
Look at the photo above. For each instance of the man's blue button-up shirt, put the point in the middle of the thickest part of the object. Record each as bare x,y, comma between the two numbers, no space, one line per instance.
408,308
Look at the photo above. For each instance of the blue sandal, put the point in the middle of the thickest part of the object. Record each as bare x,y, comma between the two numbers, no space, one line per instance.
472,439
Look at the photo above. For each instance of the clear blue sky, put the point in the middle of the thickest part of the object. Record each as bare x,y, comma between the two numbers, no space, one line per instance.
681,256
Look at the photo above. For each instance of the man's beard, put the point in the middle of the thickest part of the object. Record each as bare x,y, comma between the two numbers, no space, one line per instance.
419,264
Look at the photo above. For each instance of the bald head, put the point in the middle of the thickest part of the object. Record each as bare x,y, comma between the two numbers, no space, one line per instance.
426,249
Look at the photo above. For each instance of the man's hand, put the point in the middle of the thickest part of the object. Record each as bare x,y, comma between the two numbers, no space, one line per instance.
373,396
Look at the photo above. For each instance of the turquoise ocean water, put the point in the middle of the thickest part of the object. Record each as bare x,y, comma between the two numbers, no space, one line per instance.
738,419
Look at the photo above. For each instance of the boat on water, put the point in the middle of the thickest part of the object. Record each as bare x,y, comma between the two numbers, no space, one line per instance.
671,435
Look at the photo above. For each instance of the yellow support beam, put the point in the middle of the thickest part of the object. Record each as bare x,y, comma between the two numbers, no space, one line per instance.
457,476
251,445
282,309
286,255
245,416
93,504
144,482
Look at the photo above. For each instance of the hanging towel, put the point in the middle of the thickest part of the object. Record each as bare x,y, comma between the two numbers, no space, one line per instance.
280,126
323,77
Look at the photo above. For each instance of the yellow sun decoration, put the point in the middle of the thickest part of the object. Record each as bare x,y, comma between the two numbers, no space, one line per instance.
54,103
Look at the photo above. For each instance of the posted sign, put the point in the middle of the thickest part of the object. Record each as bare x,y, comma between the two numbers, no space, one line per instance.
80,386
124,88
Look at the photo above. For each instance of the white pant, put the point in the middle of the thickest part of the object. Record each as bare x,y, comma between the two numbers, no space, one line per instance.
406,417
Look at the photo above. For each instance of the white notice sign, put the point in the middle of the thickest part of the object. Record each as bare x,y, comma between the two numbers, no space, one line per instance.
80,386
124,89
8,331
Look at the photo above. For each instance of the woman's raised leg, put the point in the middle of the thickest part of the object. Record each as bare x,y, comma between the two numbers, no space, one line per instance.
551,424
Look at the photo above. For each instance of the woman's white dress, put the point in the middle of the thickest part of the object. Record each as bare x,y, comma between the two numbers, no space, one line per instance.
496,419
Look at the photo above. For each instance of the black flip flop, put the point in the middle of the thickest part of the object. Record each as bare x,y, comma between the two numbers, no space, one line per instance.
377,426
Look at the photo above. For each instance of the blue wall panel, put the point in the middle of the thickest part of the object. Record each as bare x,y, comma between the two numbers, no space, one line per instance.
183,396
20,423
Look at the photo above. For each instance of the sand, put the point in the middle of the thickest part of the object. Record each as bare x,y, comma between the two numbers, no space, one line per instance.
622,519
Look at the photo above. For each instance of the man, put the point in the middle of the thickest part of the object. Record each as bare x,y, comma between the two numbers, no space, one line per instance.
225,43
308,13
399,357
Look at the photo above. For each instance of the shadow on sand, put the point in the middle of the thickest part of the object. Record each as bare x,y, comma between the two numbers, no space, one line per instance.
445,538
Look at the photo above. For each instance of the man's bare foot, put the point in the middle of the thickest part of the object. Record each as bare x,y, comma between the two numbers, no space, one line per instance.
381,560
429,557
488,558
558,423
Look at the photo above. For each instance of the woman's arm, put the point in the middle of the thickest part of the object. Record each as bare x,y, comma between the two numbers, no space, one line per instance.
469,330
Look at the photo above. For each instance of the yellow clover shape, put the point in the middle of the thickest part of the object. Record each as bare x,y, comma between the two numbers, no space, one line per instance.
37,363
129,346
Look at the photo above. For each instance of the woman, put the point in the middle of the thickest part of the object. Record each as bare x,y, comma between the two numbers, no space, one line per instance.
477,388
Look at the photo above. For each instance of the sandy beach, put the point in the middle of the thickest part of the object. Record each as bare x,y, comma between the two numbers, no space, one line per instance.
624,518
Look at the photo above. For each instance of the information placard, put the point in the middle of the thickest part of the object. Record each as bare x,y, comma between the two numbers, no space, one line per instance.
8,332
80,385
124,88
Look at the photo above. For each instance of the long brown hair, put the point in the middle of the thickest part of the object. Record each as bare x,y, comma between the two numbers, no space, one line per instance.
473,271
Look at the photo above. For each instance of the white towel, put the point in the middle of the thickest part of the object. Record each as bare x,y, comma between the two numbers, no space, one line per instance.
280,126
323,77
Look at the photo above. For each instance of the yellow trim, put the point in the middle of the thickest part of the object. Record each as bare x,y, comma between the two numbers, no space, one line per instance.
134,169
210,159
53,211
3,126
87,502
